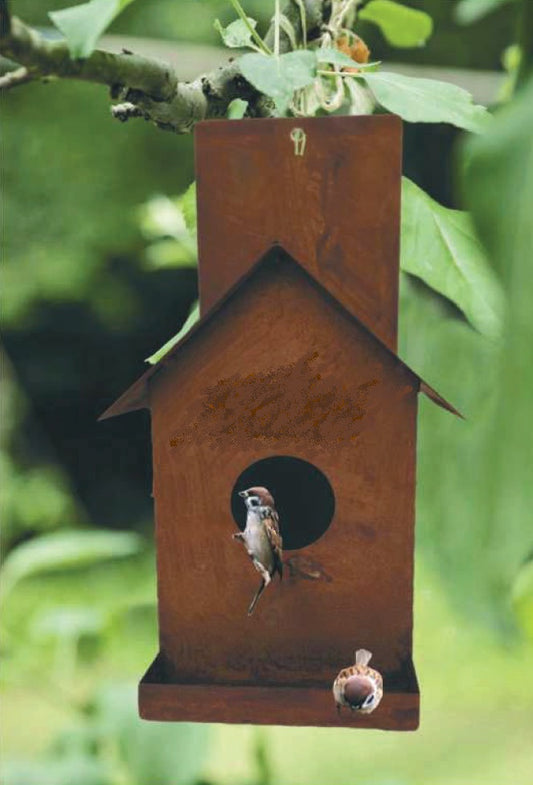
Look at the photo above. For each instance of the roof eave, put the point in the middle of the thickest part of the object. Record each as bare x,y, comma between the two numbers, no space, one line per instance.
136,396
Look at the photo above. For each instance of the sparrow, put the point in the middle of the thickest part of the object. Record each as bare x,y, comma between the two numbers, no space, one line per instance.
261,537
359,687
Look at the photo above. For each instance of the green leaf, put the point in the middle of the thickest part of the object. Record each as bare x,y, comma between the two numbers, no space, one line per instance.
440,246
336,57
67,622
236,35
82,25
427,101
65,550
468,11
79,769
452,529
498,184
237,109
491,491
279,77
187,202
288,28
402,27
170,225
151,753
169,252
191,320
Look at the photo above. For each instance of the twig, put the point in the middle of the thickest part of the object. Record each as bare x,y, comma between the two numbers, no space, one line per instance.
313,14
126,111
52,58
251,29
148,87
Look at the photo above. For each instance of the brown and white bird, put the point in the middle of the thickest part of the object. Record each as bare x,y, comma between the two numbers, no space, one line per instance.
359,687
261,537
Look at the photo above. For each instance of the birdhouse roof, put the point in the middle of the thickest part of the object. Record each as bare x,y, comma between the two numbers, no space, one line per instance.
136,396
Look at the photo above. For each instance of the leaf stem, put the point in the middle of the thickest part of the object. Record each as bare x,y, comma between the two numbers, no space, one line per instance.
277,13
352,74
303,21
253,32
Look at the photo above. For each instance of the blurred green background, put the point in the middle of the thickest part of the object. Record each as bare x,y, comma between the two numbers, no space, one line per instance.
98,272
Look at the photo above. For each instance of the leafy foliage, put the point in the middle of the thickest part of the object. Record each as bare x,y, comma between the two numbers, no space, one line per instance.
402,26
336,57
191,320
279,77
467,12
68,622
498,184
237,109
188,207
81,769
170,227
427,101
35,496
82,25
440,247
65,550
237,35
474,497
285,77
157,752
113,745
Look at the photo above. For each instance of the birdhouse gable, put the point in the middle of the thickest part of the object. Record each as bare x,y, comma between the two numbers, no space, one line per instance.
270,307
280,355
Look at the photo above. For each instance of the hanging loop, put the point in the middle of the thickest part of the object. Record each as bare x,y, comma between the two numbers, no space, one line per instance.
299,138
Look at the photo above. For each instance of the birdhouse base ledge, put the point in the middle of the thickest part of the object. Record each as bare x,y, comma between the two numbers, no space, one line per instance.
161,700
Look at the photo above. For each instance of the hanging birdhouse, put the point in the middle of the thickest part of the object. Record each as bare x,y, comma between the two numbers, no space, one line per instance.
290,382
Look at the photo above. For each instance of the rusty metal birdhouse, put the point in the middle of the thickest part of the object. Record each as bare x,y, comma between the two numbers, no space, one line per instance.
289,381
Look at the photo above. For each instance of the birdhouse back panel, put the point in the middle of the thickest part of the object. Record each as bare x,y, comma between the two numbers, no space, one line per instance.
327,189
281,370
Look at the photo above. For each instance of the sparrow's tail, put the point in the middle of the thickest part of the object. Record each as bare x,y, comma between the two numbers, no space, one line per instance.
258,593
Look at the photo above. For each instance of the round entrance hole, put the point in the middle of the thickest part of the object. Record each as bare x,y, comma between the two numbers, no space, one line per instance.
304,497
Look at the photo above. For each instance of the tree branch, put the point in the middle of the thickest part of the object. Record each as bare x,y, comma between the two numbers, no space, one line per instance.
147,87
52,58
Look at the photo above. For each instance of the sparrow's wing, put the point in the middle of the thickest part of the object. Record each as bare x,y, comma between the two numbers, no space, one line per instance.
271,522
377,678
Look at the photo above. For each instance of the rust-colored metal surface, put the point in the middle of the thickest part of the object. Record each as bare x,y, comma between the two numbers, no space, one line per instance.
160,699
335,208
283,370
137,395
294,356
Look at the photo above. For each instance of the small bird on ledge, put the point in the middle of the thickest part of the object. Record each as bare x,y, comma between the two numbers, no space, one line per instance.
359,687
261,537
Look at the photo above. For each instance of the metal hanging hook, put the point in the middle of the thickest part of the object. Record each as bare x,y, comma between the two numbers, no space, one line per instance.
299,138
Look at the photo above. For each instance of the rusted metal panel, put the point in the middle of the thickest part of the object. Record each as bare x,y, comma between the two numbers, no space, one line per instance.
162,699
336,208
283,370
136,396
294,356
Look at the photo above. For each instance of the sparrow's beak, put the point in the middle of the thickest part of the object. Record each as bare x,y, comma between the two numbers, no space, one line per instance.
244,494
